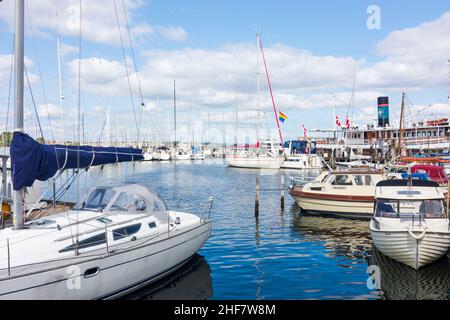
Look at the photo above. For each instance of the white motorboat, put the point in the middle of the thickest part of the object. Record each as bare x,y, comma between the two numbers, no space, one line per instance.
181,154
301,155
344,193
410,223
161,154
114,241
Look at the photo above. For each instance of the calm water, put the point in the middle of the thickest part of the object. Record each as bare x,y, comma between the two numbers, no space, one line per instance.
282,255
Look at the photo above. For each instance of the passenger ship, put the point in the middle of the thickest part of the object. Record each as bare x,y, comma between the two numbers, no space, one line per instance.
380,139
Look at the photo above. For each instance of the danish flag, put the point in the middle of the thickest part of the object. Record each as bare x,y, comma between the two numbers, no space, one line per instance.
338,123
347,122
305,132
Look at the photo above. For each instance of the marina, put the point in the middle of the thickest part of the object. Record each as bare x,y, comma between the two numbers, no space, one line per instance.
175,175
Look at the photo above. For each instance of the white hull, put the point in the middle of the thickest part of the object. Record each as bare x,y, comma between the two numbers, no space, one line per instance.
183,157
148,156
262,162
119,273
415,253
346,209
161,156
302,162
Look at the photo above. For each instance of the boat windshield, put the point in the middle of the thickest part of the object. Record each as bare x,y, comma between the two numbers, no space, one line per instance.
97,199
390,208
129,202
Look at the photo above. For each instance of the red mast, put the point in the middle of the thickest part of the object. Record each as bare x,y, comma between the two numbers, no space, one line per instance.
271,94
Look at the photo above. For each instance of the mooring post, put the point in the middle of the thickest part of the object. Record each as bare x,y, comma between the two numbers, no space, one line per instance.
282,192
257,198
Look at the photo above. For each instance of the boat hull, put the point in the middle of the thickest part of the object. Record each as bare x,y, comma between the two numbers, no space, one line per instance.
359,207
302,162
118,273
255,162
404,248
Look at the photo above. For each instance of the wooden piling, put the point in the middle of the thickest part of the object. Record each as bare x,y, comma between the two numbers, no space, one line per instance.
282,192
257,198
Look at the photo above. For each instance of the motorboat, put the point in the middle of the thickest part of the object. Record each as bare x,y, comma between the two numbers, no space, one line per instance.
115,240
301,155
161,154
180,154
410,223
197,153
343,193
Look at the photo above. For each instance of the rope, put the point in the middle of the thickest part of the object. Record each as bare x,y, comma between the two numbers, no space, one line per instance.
135,68
419,237
34,102
40,72
9,90
126,69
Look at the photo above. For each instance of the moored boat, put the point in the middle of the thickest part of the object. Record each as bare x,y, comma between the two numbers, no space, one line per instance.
410,223
344,193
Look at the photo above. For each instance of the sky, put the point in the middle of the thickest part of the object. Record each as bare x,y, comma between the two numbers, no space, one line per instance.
320,54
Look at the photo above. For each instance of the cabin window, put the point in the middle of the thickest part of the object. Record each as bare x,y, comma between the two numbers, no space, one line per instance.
152,225
129,203
408,209
342,180
368,180
432,209
359,180
98,199
126,231
93,241
386,208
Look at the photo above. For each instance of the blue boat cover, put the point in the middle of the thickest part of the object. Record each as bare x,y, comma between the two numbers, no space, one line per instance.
31,160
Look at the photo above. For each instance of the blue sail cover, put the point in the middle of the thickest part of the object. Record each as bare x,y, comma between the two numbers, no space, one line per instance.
31,160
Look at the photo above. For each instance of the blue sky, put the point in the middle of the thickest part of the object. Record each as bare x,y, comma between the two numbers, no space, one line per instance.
208,46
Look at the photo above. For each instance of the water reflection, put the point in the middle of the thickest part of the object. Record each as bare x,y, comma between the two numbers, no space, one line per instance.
191,282
342,238
399,282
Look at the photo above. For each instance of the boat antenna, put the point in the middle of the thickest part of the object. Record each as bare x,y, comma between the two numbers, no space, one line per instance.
18,195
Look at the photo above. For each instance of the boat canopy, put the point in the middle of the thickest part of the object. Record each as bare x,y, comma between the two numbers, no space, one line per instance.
409,190
32,161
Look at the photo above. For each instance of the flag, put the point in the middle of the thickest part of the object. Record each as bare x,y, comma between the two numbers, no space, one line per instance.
347,122
305,132
338,123
282,116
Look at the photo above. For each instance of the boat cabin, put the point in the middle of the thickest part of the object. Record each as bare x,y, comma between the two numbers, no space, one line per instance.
409,199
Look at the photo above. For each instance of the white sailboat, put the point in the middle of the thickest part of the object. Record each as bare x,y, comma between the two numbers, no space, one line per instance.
264,154
115,240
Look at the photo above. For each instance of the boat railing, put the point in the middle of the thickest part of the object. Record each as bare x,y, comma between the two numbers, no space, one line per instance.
298,182
206,210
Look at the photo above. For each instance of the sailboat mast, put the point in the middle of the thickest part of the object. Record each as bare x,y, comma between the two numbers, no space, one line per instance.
61,96
400,131
174,114
18,195
257,85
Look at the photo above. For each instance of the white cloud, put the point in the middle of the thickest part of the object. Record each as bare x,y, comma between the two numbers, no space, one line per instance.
175,34
98,20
